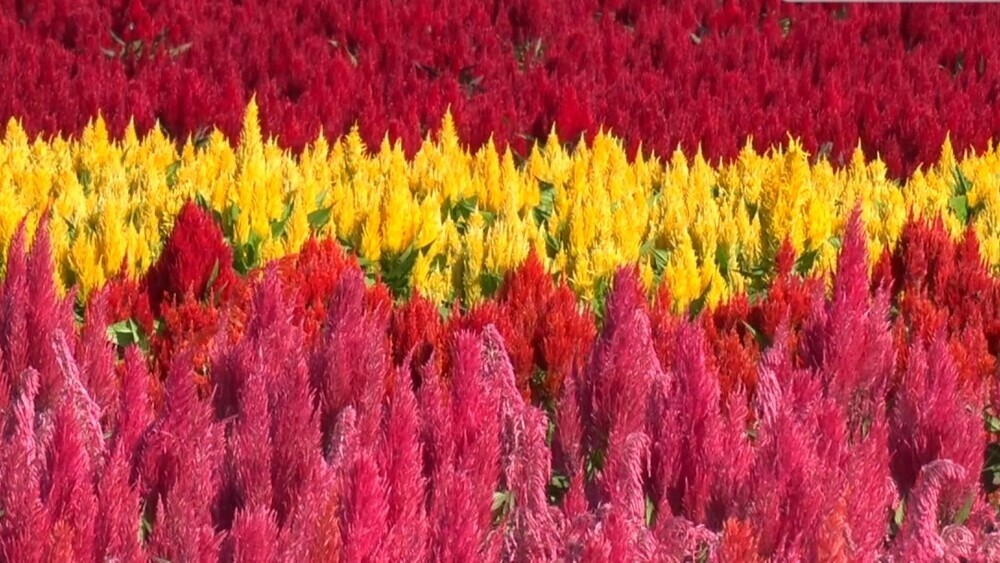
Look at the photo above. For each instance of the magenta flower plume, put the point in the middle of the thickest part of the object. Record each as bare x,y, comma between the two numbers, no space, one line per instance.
68,491
402,461
567,449
85,411
30,311
623,367
365,509
253,537
118,509
134,410
465,484
848,339
919,538
14,307
714,457
351,363
96,357
932,419
25,526
248,463
531,531
181,471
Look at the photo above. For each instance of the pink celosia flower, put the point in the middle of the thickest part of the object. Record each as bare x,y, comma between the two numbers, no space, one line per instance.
253,537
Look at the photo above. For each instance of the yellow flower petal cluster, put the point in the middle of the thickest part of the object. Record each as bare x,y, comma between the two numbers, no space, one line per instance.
452,221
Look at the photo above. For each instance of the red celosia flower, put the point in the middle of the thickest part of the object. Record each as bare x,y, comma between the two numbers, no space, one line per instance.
195,260
309,278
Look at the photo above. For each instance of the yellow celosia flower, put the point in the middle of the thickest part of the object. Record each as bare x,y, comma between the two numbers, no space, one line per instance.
470,215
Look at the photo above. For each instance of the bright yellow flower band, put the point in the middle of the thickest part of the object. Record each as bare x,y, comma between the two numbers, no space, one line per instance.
453,220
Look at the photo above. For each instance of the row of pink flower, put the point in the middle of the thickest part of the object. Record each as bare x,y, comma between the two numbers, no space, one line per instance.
334,452
894,77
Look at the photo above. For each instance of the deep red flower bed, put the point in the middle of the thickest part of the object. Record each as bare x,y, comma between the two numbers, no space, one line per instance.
895,77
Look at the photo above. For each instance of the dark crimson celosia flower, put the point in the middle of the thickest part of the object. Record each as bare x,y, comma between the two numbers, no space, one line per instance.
195,260
699,72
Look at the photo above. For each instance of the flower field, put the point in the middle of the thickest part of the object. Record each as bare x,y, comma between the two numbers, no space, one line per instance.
519,281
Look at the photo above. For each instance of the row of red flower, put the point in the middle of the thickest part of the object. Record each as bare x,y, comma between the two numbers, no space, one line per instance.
300,414
699,71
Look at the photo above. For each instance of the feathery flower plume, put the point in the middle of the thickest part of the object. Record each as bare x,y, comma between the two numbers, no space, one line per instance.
567,449
86,412
351,363
195,260
364,507
180,471
25,525
931,419
623,366
253,537
919,539
531,531
402,464
68,489
96,358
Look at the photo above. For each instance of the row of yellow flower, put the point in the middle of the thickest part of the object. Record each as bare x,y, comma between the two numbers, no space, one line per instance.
450,218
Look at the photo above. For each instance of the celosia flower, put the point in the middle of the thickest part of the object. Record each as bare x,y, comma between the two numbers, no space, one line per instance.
932,419
402,463
253,537
195,259
180,471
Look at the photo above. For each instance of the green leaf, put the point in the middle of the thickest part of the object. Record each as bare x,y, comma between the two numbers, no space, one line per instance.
172,173
79,309
993,424
804,264
319,218
444,310
503,504
126,333
786,26
650,512
558,485
489,217
546,203
231,218
490,282
463,209
959,202
396,271
698,304
963,513
722,260
247,256
178,50
552,245
116,39
83,176
212,276
760,337
900,514
660,259
960,205
278,227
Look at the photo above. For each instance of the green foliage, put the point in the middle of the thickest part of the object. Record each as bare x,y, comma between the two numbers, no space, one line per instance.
126,333
959,202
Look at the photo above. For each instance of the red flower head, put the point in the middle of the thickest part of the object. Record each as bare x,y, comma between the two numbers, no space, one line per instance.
196,259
